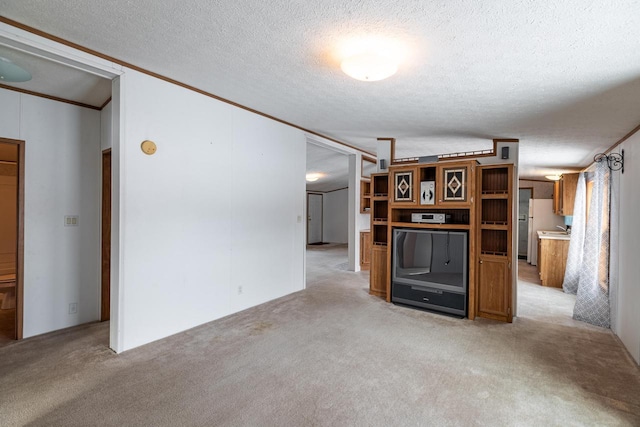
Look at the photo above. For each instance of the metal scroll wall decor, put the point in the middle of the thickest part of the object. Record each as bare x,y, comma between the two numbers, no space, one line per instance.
615,161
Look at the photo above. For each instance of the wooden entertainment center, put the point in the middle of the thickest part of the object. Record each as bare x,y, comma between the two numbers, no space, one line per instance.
473,197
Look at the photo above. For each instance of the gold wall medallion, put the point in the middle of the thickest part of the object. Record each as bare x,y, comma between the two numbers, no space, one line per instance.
148,147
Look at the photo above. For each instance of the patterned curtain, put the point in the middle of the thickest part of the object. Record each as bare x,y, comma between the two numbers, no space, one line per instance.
614,233
576,245
592,298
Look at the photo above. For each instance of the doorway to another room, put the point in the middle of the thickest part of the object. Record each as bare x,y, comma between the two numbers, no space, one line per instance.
327,215
11,237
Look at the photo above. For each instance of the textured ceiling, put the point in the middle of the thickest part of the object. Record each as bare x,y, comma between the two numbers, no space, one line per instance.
563,77
332,166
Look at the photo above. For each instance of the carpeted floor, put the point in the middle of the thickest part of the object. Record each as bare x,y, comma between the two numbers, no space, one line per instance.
332,355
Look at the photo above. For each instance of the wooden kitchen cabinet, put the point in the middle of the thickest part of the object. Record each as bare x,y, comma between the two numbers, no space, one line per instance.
564,194
552,261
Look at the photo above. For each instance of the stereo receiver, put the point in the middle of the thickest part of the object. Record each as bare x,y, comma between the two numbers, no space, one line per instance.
430,218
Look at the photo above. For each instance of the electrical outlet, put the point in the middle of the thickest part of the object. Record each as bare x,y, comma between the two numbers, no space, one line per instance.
73,308
71,220
239,290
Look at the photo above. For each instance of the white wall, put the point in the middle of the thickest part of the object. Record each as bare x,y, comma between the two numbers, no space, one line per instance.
541,190
218,207
335,214
62,177
628,319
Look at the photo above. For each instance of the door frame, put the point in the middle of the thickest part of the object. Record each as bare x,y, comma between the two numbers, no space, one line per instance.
105,238
19,236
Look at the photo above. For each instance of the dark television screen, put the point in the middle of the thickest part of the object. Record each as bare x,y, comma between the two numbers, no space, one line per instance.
431,258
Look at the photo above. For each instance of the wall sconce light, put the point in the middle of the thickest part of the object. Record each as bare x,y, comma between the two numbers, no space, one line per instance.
615,161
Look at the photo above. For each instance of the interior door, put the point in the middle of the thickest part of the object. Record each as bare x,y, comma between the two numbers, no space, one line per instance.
314,219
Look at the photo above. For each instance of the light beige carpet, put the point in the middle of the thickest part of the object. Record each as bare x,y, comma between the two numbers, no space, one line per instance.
332,355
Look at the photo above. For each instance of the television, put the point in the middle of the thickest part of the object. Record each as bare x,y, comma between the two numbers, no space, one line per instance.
430,269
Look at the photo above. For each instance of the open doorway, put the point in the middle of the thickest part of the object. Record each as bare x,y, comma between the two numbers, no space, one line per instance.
327,211
11,238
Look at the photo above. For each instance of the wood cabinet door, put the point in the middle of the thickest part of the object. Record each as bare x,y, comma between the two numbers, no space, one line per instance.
365,250
378,278
557,201
403,186
569,187
494,289
455,185
552,260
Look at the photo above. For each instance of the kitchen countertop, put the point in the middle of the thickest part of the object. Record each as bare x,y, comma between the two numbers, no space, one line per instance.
553,235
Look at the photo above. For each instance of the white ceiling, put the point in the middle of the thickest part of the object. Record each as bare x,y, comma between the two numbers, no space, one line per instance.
563,77
332,166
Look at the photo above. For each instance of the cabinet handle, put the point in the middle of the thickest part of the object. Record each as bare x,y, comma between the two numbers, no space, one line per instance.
480,261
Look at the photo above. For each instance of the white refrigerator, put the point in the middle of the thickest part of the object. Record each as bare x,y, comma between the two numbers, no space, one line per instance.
541,217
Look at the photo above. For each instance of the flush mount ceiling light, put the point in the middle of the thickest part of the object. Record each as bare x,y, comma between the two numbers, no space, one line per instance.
553,177
10,72
369,66
371,58
312,177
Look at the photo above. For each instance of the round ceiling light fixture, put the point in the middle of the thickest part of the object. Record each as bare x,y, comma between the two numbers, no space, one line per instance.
11,72
369,66
313,177
553,177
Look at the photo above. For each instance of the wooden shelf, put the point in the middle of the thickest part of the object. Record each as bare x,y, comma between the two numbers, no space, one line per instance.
495,180
455,216
365,196
435,226
379,277
494,253
499,195
494,226
494,234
